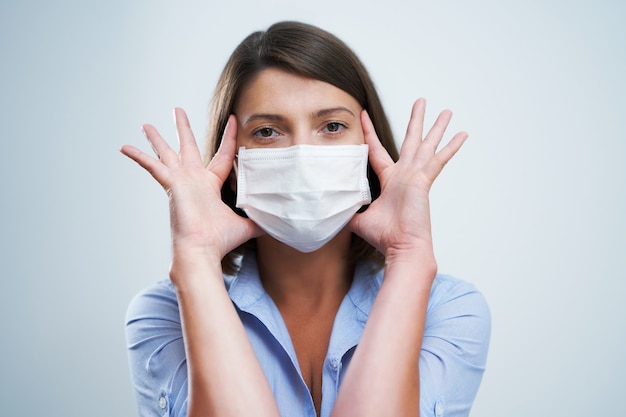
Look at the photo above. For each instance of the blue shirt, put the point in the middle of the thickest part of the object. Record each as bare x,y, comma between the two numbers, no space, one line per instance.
452,360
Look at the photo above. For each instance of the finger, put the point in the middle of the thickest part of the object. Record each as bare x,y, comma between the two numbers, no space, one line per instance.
246,229
222,162
354,224
189,152
160,146
447,152
414,130
379,158
360,226
433,138
154,167
253,230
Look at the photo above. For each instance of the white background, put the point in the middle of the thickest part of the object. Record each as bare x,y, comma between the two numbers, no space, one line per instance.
531,210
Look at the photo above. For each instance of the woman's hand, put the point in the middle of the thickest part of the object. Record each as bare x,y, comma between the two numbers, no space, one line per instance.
398,221
198,217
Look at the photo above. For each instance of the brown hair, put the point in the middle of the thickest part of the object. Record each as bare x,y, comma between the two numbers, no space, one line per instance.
311,52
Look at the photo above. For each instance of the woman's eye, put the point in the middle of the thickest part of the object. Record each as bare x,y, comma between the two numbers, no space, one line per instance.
265,132
334,127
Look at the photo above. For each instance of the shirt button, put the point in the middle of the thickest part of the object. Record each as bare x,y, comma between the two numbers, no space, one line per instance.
438,408
162,402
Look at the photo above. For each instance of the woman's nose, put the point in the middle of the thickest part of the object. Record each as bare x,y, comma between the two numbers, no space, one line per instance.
303,136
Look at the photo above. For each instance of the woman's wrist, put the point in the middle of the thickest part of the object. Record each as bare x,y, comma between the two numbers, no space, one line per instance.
192,265
416,263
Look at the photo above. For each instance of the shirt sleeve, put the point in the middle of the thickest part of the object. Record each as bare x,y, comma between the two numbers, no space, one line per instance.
156,352
454,348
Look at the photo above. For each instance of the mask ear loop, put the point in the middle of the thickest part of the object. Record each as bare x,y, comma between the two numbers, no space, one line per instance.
233,183
235,164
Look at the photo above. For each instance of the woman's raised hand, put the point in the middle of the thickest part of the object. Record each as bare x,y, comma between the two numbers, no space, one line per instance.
398,222
199,218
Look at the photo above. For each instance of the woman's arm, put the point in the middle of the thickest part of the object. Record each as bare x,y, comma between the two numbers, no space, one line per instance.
225,378
383,377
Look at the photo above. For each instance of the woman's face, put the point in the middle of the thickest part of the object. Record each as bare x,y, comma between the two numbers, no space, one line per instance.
278,109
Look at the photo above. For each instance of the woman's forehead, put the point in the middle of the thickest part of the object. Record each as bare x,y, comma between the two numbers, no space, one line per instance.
274,91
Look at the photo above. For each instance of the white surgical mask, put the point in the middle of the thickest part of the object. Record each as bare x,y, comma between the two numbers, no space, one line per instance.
302,195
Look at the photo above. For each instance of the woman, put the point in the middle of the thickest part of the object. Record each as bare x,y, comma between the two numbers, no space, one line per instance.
332,304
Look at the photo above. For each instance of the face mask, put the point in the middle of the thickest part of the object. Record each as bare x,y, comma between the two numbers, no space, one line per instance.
302,195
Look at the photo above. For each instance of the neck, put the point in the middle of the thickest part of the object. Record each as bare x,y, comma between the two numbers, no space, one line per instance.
310,280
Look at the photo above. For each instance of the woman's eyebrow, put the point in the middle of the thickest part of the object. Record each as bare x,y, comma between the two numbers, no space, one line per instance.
263,116
279,118
326,112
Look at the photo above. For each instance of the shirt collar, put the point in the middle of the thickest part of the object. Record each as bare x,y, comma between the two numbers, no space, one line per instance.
365,286
245,288
247,293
